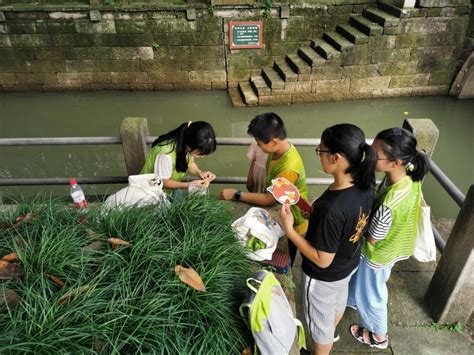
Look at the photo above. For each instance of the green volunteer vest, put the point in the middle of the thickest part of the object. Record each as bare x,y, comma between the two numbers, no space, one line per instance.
290,161
149,167
403,198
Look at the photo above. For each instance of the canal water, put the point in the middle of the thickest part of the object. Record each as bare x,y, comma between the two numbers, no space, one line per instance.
100,114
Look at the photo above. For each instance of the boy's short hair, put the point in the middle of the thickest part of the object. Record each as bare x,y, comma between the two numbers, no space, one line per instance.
266,127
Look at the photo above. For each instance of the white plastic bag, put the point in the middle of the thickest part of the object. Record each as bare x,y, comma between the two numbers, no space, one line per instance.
425,247
258,223
142,190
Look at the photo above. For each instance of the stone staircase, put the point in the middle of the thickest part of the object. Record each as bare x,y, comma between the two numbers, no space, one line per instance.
299,76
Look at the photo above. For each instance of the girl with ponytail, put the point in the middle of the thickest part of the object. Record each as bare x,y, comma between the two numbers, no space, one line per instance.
331,247
391,233
172,155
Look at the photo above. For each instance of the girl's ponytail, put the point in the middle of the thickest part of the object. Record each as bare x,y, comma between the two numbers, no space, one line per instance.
364,176
349,140
400,143
418,167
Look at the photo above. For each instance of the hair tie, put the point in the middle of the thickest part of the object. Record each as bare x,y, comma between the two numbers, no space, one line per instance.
410,167
189,123
361,147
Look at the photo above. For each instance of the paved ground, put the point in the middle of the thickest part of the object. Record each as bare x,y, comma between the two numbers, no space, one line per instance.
410,330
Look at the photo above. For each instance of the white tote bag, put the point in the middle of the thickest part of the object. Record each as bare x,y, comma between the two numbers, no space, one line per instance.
425,247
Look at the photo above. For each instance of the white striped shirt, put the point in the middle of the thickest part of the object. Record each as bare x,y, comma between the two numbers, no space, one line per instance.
380,223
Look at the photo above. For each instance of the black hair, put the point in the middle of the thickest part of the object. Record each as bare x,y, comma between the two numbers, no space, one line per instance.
400,143
266,127
198,136
349,140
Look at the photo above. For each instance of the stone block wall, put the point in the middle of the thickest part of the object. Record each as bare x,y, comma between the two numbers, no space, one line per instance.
155,45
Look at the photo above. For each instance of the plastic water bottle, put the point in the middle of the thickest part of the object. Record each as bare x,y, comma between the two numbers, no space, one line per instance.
77,194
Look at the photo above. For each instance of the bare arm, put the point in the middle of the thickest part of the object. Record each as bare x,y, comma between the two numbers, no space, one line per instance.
173,184
318,257
254,198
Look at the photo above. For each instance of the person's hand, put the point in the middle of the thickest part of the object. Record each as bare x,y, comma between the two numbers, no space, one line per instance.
199,183
286,217
227,194
207,175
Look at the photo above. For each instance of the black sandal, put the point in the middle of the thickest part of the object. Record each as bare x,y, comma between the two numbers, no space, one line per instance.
372,342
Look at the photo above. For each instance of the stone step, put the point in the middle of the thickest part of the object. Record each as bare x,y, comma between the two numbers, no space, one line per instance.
310,56
260,85
236,97
250,98
352,34
285,71
325,49
298,65
365,25
273,79
382,18
337,40
392,9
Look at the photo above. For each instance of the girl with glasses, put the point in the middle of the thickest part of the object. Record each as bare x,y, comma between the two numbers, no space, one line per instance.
391,233
331,247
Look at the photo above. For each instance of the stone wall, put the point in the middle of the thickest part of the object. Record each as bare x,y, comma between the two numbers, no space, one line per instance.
95,45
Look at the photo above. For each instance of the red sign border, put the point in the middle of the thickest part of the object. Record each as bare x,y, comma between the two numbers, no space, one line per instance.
234,23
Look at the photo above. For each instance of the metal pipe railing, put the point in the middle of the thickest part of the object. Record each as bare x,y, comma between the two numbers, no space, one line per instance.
447,184
439,241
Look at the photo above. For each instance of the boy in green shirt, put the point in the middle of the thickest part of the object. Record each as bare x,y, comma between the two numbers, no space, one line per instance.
283,160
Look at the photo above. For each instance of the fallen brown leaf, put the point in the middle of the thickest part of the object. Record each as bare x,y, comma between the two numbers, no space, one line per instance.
68,296
9,271
83,220
190,277
56,279
24,218
10,257
8,297
117,241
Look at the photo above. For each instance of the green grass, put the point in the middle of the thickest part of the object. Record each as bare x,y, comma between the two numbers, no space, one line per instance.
135,302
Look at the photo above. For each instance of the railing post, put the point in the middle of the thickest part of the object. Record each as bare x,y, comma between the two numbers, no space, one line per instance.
133,132
425,131
450,294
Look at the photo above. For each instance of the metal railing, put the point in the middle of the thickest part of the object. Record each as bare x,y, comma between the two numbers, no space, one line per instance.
438,174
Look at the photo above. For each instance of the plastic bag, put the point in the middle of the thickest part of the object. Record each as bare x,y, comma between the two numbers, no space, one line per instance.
257,223
142,190
425,247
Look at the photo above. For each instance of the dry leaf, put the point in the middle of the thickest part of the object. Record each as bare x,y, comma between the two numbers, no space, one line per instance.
56,279
190,277
10,257
93,246
9,271
9,297
117,241
83,220
24,218
68,296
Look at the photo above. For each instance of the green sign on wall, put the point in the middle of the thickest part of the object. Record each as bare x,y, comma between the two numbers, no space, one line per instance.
245,34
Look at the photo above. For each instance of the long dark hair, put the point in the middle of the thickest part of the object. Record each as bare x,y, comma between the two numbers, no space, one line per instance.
400,143
198,136
349,140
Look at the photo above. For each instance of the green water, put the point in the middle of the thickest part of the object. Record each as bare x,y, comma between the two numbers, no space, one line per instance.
100,114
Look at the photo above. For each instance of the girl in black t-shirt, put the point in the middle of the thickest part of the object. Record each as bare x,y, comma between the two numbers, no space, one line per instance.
331,247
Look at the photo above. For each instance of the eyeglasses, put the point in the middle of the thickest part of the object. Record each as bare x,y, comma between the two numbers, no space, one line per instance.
319,151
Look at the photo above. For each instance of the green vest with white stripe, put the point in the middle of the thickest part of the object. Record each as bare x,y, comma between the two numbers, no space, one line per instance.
169,150
403,198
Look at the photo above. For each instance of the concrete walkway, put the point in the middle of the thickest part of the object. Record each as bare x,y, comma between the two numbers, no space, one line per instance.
410,330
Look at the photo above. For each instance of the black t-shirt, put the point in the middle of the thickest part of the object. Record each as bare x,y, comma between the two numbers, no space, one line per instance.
337,225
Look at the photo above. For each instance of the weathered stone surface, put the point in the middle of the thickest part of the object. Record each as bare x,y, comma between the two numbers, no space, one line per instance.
55,26
19,27
120,65
434,65
8,79
2,16
357,55
90,53
94,15
392,92
168,77
172,25
31,40
438,53
68,15
132,53
96,87
392,68
442,3
327,73
68,79
297,87
400,81
26,15
42,66
129,77
142,87
72,40
391,55
370,84
324,86
360,71
128,26
284,99
441,78
192,86
191,14
74,66
207,75
15,54
37,78
238,69
219,85
430,90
